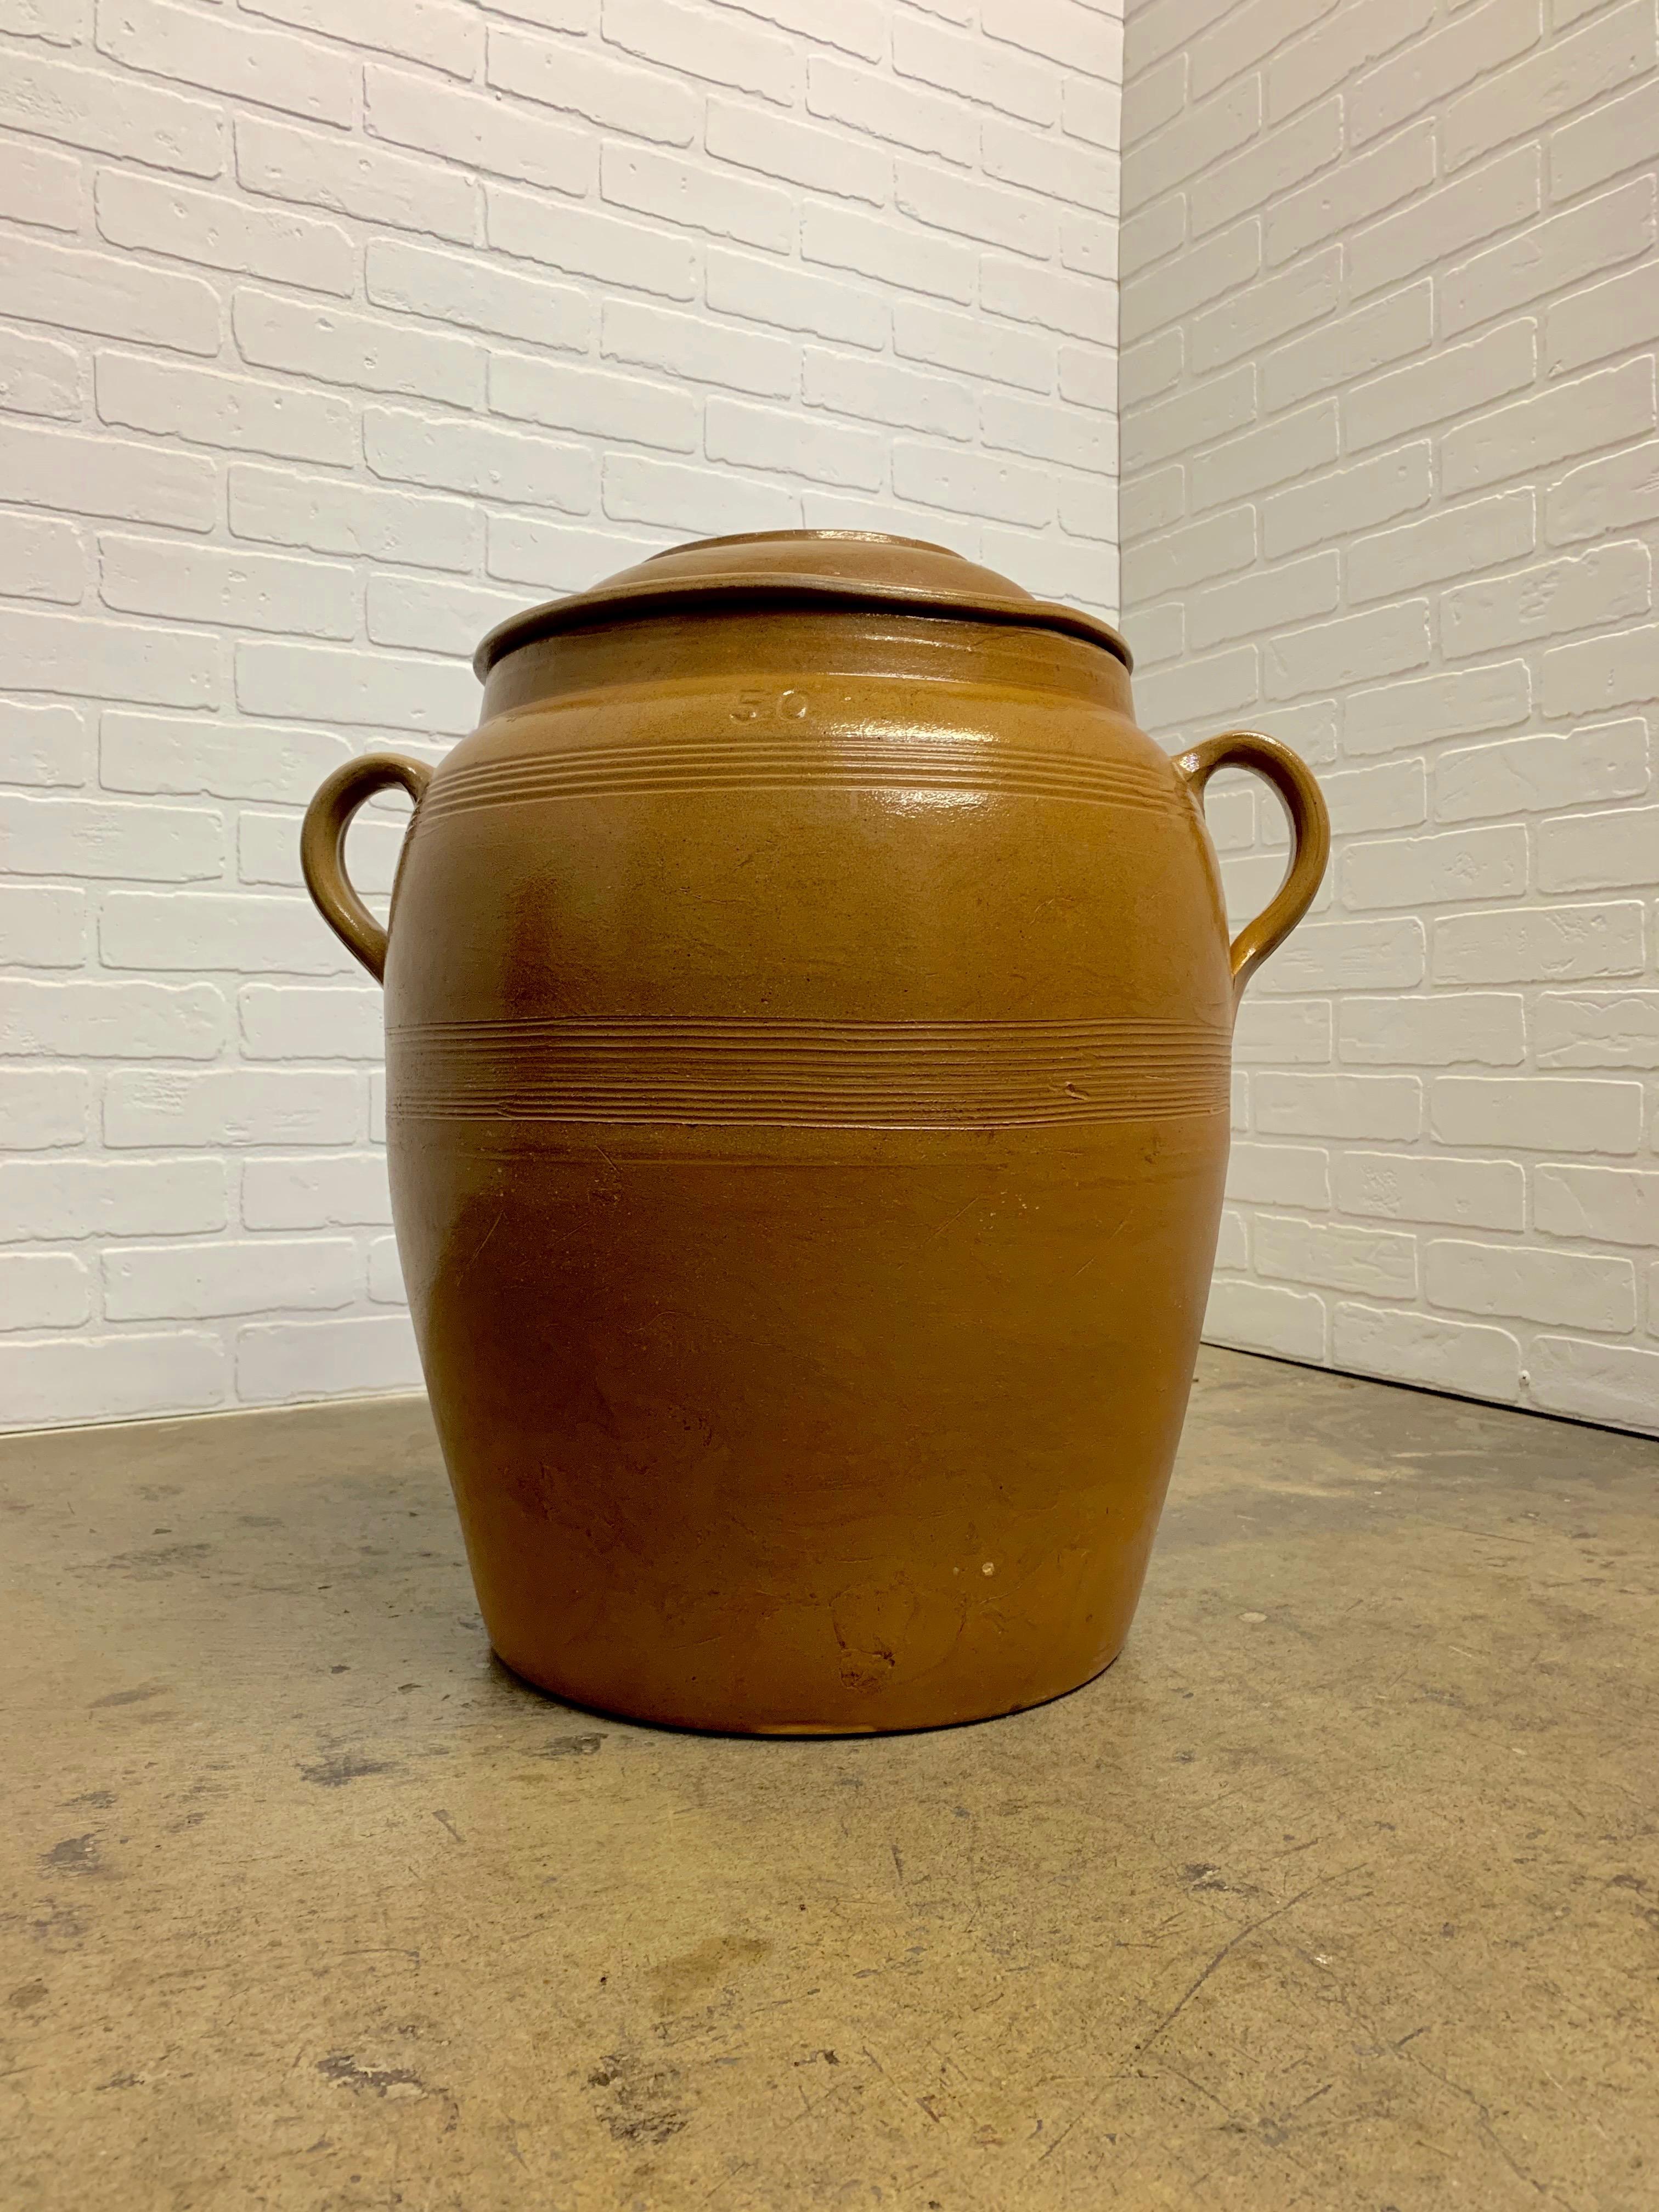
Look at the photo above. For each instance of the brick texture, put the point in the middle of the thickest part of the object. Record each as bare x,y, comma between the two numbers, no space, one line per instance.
331,330
1391,492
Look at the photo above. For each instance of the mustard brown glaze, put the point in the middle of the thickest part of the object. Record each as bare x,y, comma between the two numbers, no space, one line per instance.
809,1004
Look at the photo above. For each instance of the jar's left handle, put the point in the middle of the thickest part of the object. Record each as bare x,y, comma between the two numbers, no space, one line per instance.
322,843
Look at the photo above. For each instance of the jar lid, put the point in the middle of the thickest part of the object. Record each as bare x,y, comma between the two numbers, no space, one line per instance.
822,569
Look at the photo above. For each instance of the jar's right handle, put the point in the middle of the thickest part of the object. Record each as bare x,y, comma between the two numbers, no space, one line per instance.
1310,837
322,839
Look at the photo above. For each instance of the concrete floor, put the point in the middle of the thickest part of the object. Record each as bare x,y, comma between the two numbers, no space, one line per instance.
1340,1890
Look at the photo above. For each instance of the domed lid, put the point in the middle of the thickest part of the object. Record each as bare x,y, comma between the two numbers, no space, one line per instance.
806,568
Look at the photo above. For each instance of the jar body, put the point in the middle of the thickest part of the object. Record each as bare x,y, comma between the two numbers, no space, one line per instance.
808,1050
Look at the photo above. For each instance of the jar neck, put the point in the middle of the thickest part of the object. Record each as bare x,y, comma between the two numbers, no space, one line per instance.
770,651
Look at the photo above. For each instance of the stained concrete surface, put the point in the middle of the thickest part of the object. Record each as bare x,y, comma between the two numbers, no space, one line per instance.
1340,1890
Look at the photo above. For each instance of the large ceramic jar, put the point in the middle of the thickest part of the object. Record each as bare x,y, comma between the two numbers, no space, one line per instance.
808,1014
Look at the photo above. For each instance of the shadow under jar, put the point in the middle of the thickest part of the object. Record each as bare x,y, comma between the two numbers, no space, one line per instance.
809,1007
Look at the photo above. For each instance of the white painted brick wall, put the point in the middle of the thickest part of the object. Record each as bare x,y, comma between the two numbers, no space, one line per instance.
331,330
1390,309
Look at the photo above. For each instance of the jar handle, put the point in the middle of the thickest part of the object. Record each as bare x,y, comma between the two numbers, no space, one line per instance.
1310,837
322,841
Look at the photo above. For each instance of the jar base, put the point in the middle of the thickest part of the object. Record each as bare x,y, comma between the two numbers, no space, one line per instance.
640,1714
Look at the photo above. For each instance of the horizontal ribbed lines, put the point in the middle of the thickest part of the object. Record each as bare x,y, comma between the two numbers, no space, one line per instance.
780,763
805,1074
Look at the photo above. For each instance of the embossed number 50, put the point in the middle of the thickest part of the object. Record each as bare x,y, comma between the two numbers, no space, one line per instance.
771,707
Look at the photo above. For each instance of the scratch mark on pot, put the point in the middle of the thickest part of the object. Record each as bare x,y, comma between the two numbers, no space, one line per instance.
950,1219
130,1697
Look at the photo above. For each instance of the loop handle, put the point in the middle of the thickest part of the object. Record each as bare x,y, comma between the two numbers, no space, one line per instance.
322,841
1310,837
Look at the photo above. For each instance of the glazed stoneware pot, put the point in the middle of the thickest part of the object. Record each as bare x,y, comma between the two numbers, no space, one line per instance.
809,1006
